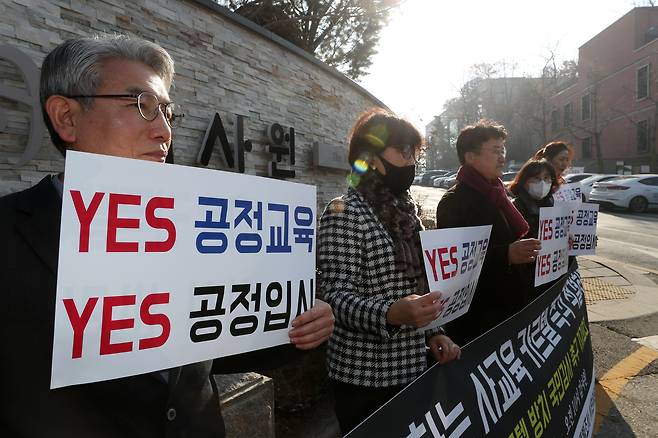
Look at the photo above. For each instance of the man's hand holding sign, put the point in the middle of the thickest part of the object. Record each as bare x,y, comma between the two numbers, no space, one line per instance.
523,251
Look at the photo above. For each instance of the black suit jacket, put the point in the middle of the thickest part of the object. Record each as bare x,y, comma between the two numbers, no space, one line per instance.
499,293
139,406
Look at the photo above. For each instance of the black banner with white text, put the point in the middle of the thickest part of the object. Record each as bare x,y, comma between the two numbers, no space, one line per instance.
531,376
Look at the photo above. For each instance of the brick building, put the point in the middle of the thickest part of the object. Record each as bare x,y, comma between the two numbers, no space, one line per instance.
609,115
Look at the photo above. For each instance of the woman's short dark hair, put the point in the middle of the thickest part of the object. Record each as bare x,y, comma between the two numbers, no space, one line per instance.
377,129
471,138
533,168
552,149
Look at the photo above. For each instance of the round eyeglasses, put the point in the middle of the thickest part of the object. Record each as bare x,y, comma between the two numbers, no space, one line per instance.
148,105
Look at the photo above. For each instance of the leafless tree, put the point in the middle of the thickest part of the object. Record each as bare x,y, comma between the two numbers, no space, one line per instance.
342,33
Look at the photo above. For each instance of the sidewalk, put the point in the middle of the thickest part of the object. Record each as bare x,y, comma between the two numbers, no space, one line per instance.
622,306
615,292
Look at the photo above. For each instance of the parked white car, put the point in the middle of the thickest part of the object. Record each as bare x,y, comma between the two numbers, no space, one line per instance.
635,192
575,177
587,184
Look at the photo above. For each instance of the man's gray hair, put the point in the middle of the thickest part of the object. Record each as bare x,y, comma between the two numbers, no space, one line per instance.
72,68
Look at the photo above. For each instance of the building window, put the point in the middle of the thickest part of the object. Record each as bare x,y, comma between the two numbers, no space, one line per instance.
586,107
587,147
568,114
643,82
642,130
555,121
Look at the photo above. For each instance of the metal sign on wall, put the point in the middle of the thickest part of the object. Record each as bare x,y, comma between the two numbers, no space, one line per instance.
334,157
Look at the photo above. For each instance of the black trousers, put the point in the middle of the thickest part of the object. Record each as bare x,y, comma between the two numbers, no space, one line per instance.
353,403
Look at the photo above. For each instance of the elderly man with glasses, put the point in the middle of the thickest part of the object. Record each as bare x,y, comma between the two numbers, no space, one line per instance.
107,96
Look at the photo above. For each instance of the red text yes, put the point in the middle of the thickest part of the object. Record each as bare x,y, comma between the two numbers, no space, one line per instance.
79,319
447,260
86,214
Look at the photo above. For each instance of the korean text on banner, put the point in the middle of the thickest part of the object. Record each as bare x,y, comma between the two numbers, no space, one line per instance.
552,260
530,376
163,265
453,260
582,230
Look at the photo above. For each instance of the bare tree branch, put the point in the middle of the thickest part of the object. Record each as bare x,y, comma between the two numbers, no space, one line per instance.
343,33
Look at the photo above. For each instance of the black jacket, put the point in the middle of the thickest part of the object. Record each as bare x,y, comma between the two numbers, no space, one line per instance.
139,406
529,208
498,294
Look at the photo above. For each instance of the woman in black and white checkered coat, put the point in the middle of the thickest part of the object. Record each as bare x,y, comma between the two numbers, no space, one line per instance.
371,273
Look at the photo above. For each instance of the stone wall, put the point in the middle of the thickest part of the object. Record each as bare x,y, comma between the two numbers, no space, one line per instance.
247,402
224,64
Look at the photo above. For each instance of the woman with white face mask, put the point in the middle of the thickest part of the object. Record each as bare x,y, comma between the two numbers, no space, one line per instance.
533,189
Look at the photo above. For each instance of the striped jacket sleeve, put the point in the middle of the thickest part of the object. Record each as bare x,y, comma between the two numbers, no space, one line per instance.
341,261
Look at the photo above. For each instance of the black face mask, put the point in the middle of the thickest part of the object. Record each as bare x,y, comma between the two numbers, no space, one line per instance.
397,179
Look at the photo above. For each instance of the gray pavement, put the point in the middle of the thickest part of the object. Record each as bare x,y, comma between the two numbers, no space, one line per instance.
623,313
631,239
636,294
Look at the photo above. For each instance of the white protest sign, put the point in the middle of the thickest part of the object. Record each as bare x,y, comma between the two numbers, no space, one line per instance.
582,230
568,193
163,265
453,260
552,260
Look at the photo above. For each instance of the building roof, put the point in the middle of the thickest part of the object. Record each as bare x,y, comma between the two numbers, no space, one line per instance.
616,22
